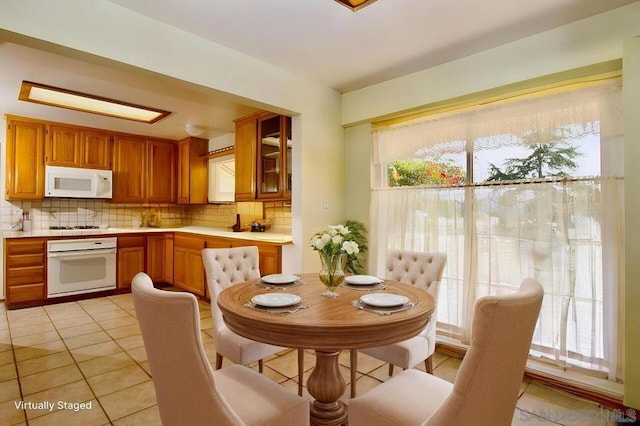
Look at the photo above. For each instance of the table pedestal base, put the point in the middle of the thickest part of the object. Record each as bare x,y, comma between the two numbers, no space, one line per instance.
326,385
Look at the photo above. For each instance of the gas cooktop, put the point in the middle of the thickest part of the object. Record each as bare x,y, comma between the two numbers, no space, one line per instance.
58,228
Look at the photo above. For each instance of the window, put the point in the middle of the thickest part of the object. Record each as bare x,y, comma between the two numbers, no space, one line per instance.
532,187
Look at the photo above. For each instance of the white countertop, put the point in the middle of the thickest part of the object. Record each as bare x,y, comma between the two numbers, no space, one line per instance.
266,237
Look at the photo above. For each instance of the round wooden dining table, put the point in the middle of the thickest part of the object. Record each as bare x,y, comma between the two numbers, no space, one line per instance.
327,326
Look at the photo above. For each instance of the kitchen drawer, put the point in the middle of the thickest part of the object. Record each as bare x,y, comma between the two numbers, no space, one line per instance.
133,241
21,276
28,246
26,293
183,241
20,261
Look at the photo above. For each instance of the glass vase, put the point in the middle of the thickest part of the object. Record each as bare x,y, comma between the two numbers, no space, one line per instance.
332,272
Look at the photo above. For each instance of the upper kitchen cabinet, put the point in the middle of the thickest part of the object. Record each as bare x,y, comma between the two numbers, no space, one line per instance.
192,170
143,170
161,172
246,146
70,146
263,157
25,159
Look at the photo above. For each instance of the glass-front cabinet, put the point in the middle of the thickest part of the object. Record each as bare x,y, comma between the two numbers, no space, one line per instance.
263,157
274,157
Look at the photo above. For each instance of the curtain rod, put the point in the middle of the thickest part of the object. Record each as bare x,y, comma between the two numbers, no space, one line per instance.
504,183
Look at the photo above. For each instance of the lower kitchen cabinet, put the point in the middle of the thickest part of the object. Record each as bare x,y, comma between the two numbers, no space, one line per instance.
188,269
131,257
160,258
25,272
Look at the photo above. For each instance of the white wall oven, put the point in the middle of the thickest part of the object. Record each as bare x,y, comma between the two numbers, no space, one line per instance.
77,266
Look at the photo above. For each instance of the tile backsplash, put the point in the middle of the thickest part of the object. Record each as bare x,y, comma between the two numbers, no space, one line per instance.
69,212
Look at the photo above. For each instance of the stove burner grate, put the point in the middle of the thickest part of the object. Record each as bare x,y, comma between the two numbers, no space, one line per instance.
66,228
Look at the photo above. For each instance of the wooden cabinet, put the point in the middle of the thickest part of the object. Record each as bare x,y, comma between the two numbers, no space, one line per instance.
143,170
274,153
131,259
263,157
161,172
245,138
188,269
62,146
160,257
192,171
95,149
25,272
129,179
71,146
25,160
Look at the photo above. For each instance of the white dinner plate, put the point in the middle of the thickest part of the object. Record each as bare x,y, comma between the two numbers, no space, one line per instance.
362,280
280,279
384,300
276,300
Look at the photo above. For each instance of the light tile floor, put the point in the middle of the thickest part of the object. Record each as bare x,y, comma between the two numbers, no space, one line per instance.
91,352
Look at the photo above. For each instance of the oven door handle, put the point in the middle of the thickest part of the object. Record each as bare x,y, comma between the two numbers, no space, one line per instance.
80,255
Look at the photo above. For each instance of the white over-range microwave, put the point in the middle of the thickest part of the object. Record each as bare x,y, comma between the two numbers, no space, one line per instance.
72,182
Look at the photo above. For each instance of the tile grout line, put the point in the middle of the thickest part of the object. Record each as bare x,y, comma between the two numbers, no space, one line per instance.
125,351
15,365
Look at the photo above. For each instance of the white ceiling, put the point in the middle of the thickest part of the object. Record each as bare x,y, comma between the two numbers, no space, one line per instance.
317,39
328,43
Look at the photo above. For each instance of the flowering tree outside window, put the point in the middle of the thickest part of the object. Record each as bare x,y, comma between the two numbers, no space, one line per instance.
425,172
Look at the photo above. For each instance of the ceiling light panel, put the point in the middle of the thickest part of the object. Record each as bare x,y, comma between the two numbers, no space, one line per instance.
63,98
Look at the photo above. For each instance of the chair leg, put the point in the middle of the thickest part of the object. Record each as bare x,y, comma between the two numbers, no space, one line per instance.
390,369
260,366
300,369
218,361
428,364
354,370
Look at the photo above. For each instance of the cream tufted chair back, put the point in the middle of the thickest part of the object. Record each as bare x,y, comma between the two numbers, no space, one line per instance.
226,267
188,391
223,268
423,270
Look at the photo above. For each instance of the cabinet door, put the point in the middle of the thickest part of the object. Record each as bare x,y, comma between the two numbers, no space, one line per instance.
130,262
129,170
246,135
62,146
192,171
188,269
95,150
183,172
269,184
25,161
130,258
156,257
161,175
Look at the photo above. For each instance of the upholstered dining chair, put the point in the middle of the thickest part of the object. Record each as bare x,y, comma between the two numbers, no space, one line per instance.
423,270
486,387
225,267
188,391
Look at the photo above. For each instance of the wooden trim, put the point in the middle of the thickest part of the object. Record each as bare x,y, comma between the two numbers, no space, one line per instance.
601,398
26,86
222,152
112,133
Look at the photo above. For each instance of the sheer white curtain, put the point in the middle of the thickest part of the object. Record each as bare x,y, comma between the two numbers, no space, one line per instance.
567,233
